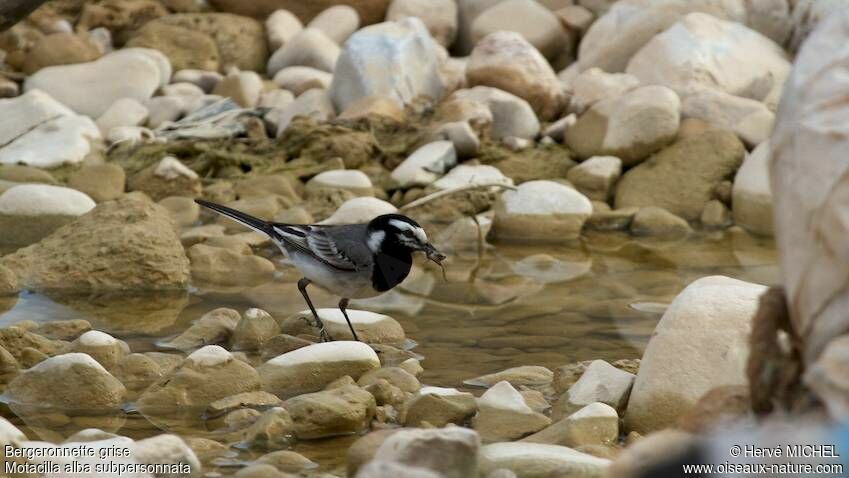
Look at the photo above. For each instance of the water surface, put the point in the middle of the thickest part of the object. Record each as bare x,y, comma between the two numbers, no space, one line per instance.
514,305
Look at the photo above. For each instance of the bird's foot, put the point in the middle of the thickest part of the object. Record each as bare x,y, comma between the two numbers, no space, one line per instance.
325,336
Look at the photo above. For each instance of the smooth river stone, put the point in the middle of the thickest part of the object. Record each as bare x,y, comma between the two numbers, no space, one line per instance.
91,88
310,369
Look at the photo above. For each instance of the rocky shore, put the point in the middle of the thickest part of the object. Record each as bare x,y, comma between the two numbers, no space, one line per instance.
552,123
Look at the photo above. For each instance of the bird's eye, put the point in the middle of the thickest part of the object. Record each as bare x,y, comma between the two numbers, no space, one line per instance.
408,233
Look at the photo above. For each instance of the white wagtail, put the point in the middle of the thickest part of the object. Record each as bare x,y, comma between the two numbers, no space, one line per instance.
352,260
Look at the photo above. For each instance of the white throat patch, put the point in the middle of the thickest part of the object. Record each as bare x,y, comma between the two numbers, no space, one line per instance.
375,240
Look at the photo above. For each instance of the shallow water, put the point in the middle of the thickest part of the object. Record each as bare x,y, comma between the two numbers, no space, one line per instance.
514,305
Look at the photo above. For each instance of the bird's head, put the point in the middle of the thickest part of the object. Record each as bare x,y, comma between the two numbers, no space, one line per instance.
401,231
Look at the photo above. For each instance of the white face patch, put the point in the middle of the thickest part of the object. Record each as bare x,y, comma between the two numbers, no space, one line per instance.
405,226
375,240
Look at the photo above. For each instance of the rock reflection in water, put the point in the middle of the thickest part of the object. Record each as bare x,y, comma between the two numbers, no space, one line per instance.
56,424
122,313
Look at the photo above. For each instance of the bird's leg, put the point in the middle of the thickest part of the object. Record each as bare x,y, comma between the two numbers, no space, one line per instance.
343,304
302,286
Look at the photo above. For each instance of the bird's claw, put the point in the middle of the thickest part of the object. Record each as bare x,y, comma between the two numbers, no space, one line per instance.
324,335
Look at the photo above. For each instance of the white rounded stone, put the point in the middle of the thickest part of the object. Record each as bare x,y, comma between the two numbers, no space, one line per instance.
425,165
352,180
543,211
91,88
311,368
360,210
210,356
280,27
472,175
337,22
96,338
42,199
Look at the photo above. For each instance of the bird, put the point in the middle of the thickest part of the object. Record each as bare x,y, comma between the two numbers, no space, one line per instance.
352,261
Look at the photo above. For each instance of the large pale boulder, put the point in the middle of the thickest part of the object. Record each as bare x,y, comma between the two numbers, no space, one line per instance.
695,53
505,60
628,25
124,244
701,342
91,88
683,177
630,127
395,59
751,193
542,211
808,172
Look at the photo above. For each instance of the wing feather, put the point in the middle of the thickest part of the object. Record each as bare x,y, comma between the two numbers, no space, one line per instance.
315,241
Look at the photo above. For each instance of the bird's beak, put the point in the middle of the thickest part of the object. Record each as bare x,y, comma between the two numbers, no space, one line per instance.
433,254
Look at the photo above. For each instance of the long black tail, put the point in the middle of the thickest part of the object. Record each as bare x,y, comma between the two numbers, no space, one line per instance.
254,223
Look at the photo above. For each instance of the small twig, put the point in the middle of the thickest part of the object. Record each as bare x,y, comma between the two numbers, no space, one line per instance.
445,192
